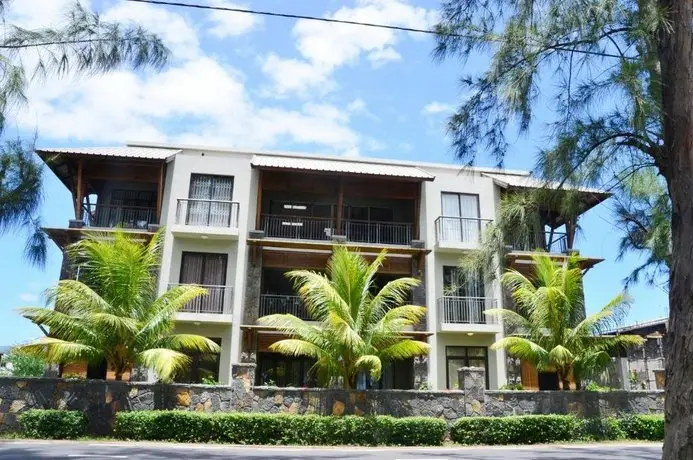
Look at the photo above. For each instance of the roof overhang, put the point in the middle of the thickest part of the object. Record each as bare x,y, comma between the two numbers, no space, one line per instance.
521,260
590,197
63,161
339,166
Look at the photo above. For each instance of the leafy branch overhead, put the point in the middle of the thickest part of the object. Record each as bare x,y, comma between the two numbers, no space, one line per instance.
81,44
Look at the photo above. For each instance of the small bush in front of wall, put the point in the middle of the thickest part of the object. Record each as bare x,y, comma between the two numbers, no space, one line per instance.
643,427
53,424
527,429
282,429
602,429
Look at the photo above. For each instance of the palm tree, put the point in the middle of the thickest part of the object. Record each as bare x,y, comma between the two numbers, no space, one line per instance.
82,44
358,330
113,311
549,328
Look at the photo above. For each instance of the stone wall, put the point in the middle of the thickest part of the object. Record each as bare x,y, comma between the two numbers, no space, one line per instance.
100,400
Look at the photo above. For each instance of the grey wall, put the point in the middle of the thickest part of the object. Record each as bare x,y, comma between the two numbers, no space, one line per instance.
102,399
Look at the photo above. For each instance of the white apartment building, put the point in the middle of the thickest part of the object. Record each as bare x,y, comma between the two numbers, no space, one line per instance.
236,221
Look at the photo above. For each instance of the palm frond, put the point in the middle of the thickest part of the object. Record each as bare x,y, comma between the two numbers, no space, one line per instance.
404,349
188,343
165,362
525,349
55,350
295,347
372,364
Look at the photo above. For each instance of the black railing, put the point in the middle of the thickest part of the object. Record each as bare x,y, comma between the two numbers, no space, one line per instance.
271,304
363,231
466,310
459,229
207,213
324,228
110,216
298,227
552,242
217,301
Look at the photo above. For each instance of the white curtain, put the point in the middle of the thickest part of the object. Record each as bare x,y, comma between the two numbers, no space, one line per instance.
209,203
450,225
460,220
469,206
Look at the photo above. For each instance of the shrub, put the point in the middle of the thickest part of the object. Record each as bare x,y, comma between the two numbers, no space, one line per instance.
528,429
418,431
598,429
284,429
53,424
24,365
644,427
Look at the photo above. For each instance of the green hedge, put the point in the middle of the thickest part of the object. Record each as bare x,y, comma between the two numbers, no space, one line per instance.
535,429
53,424
644,427
281,429
526,429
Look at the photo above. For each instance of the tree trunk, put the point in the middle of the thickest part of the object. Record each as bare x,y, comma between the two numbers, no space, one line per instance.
676,164
119,376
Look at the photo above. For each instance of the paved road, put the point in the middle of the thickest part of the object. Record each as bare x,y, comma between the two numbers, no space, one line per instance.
65,450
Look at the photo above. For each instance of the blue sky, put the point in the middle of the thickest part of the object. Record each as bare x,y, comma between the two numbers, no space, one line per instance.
242,81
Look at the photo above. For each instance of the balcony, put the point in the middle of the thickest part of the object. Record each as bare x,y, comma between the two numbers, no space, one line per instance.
111,216
551,242
467,314
271,304
214,219
215,307
324,229
455,233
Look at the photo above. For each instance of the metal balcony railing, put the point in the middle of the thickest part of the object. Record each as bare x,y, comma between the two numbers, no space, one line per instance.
459,229
217,301
298,227
111,216
466,310
324,228
556,243
271,304
364,231
207,213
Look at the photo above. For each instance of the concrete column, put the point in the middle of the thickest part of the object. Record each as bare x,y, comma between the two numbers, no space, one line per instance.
242,265
227,340
473,383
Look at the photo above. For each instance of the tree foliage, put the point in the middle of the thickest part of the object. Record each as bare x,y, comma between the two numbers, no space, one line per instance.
549,329
643,210
357,330
81,44
113,311
24,365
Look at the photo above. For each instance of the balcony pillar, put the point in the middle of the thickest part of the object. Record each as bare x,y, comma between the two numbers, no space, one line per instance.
419,293
251,307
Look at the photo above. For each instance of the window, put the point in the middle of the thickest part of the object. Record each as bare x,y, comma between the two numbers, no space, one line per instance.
275,369
205,269
127,208
460,220
209,201
456,284
457,357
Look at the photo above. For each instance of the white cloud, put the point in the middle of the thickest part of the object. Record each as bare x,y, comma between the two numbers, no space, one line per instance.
435,108
173,28
230,24
325,47
28,297
295,76
357,105
195,100
40,13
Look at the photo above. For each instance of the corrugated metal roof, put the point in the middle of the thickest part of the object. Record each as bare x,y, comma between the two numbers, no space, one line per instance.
527,181
149,153
339,166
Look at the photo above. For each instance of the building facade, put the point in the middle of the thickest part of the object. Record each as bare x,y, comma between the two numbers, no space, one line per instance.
237,221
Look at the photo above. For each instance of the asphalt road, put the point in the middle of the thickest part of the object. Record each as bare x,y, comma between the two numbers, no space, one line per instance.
65,450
